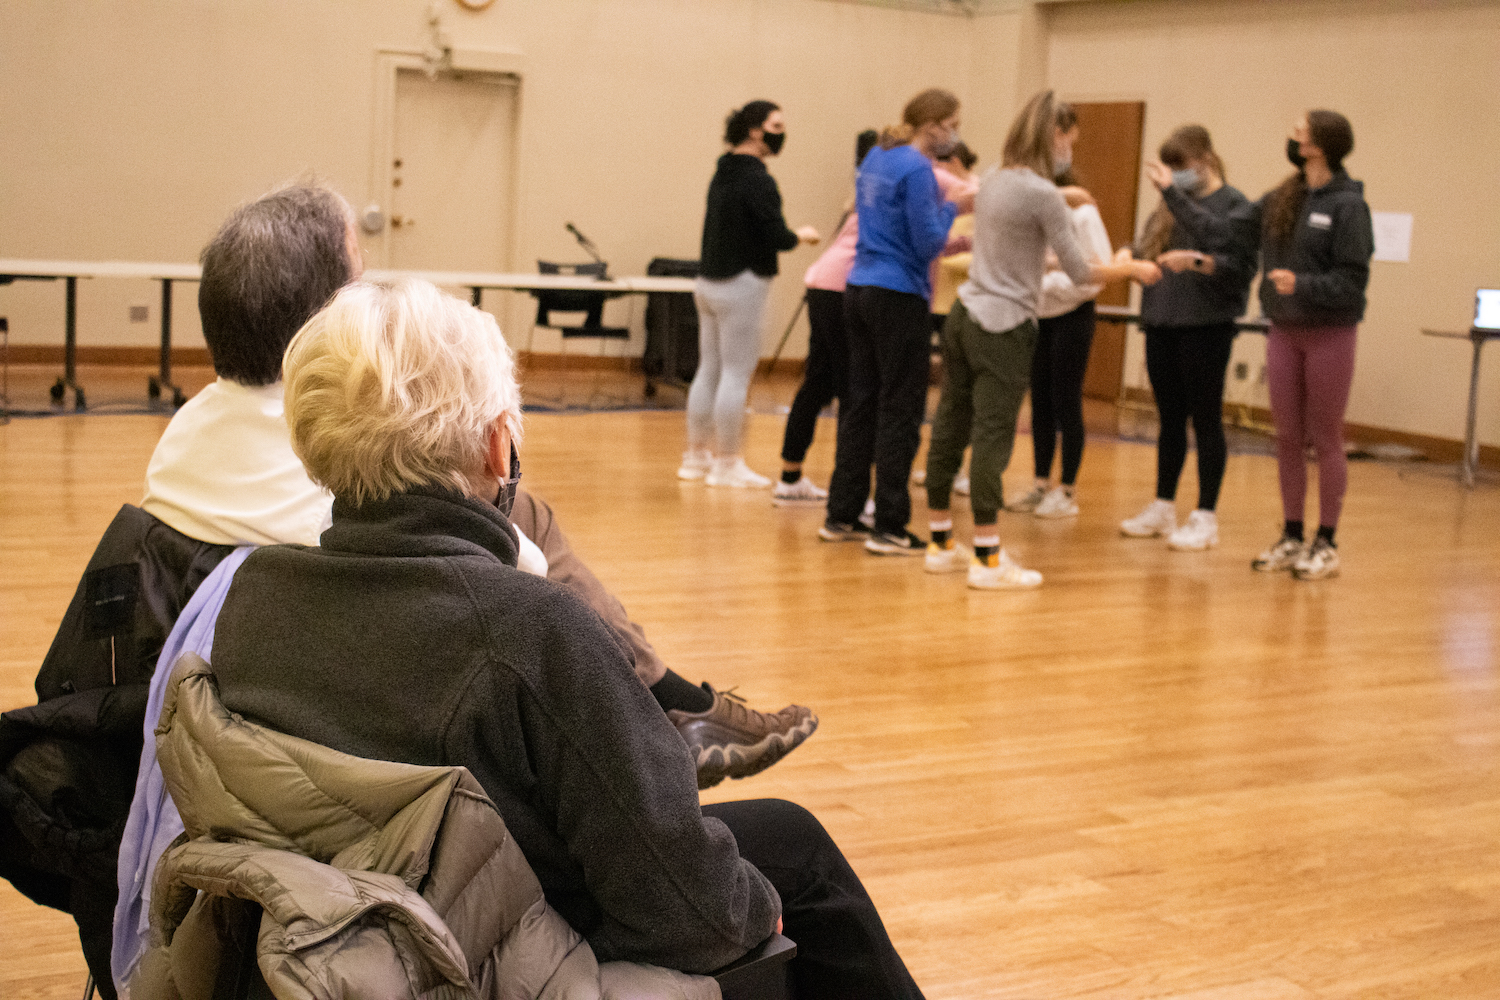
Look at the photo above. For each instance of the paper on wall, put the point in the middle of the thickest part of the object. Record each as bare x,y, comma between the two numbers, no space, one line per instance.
1392,236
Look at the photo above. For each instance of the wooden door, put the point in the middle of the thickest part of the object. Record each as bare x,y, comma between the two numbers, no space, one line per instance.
1107,161
450,198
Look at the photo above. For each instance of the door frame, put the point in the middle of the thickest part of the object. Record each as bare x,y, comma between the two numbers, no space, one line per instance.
388,65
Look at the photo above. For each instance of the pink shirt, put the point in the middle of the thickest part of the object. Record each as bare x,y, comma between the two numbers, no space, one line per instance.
830,272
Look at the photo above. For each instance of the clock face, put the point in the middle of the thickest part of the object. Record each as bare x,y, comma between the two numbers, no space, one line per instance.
475,4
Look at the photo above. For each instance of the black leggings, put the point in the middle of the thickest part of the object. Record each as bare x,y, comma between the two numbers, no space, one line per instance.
826,376
880,423
842,947
1186,365
1057,368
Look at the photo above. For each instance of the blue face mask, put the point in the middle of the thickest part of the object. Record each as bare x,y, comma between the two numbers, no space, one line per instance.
1188,180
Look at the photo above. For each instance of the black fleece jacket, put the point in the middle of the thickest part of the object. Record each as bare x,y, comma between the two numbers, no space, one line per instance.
1329,251
743,227
411,636
1224,225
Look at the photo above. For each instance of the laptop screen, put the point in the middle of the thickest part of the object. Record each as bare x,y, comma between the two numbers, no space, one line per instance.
1487,309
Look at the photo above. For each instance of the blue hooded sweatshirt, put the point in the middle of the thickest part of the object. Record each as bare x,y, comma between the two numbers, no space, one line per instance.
903,221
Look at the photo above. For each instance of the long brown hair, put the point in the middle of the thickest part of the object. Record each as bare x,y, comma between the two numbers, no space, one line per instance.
1029,141
1330,132
931,105
1188,143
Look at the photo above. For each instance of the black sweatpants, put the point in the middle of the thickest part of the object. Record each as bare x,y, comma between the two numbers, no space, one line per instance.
826,375
1057,369
880,423
842,946
1186,365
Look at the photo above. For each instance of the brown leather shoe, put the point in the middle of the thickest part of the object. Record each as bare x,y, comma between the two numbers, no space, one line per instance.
732,740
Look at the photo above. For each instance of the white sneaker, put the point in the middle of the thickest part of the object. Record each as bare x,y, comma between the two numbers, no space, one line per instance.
1057,503
1159,518
695,464
1200,531
1283,555
734,472
1320,562
954,559
867,516
1027,502
1007,574
803,492
961,484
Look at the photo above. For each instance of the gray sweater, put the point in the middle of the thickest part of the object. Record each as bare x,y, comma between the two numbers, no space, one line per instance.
411,636
1017,216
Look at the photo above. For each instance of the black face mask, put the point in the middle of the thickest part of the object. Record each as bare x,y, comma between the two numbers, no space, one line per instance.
1294,153
506,498
774,141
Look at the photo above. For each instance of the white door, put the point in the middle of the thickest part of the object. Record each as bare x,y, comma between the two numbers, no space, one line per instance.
451,174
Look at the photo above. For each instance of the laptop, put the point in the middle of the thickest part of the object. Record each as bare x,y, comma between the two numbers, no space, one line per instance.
1487,309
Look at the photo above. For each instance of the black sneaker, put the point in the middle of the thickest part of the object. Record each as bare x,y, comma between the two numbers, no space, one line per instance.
837,531
883,543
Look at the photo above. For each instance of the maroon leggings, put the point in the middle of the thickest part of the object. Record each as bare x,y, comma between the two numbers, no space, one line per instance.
1309,369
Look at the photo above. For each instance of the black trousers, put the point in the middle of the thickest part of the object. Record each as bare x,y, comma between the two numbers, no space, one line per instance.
826,376
880,423
1186,365
842,947
1057,370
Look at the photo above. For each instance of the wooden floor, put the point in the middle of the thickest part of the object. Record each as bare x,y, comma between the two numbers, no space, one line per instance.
1161,775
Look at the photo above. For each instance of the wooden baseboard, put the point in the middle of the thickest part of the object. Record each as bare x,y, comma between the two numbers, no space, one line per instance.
40,354
1436,449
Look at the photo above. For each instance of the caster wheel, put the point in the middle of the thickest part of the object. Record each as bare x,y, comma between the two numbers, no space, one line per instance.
58,389
78,401
650,390
153,388
178,398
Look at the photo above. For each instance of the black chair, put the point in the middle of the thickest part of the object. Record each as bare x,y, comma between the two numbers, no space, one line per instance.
591,303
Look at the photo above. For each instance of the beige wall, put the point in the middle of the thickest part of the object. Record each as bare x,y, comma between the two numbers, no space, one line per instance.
138,126
128,131
1421,83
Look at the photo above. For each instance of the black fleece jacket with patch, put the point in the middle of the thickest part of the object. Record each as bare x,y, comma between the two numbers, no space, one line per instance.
1329,251
411,636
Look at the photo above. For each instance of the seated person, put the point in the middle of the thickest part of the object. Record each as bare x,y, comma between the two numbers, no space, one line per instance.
410,635
224,471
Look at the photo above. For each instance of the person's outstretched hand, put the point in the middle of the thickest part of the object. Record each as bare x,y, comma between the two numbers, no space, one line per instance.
1284,280
1160,174
1076,196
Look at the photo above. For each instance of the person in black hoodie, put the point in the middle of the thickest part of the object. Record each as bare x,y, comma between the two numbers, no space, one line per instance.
1316,248
1204,235
743,230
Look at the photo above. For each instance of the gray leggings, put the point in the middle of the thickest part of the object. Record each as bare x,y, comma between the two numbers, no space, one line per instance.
729,318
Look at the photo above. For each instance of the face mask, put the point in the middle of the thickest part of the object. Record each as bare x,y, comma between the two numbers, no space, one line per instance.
1294,153
944,149
774,141
506,499
1061,166
1188,180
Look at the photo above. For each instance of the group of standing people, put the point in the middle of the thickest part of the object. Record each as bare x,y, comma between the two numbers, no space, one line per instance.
1037,254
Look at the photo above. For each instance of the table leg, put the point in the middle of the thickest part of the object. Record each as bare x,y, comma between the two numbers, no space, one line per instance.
70,349
1471,442
159,383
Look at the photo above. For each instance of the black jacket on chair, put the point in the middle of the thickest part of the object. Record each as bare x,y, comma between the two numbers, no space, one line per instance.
68,764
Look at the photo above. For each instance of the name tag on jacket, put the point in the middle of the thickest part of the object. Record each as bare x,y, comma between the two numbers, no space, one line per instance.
1319,220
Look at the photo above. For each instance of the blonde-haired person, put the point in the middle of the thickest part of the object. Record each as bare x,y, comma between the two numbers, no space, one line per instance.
1065,333
411,635
903,226
1204,235
991,333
